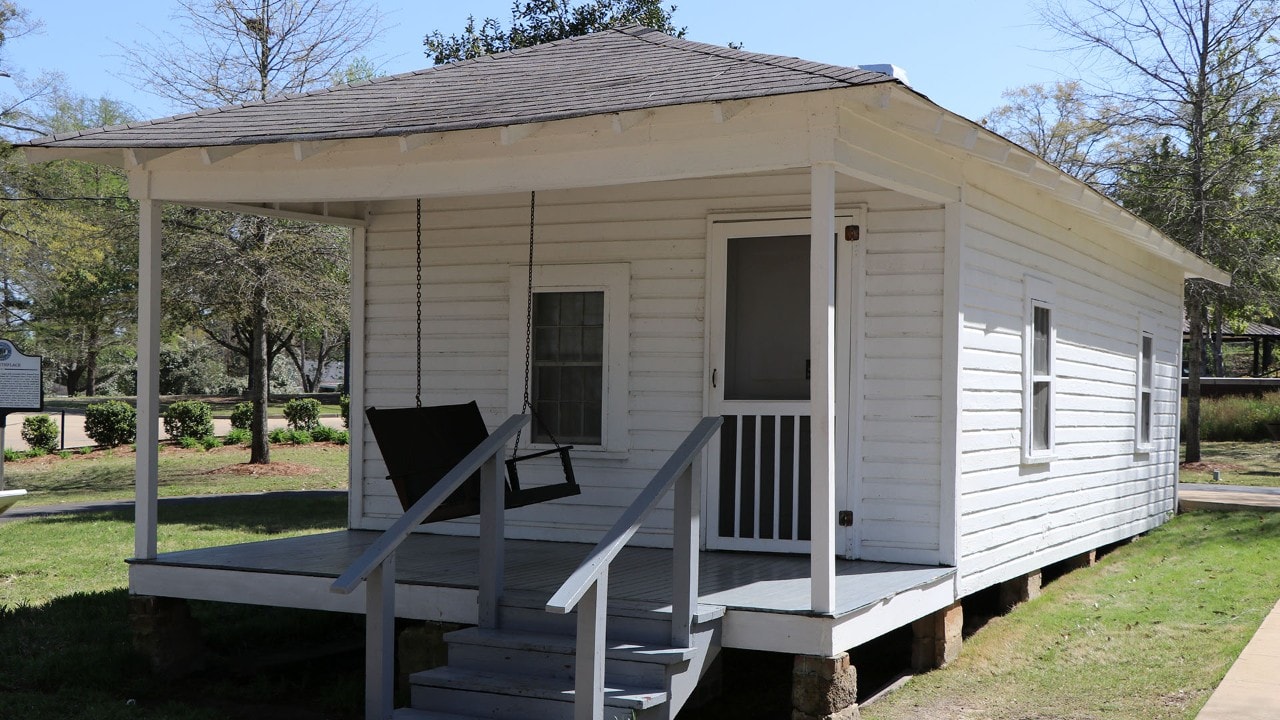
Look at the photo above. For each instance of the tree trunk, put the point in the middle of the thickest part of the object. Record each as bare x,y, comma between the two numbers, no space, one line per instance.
259,445
1195,320
1216,342
91,374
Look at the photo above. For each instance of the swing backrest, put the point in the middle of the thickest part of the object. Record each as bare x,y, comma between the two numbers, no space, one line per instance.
421,444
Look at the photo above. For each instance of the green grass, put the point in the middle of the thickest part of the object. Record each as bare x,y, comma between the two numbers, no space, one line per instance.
1232,419
65,641
1146,634
108,474
1239,463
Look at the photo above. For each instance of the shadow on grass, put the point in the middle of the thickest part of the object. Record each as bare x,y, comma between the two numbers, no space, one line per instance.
73,658
252,514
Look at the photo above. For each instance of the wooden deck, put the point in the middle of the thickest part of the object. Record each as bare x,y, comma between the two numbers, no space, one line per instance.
766,595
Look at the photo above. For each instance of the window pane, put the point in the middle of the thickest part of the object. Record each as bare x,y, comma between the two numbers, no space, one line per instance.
1040,416
568,370
1040,340
1148,362
1145,420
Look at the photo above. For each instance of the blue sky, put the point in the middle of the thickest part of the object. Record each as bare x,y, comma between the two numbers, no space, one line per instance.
961,53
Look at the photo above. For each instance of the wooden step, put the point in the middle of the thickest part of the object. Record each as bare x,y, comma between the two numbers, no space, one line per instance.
550,655
416,714
504,695
647,622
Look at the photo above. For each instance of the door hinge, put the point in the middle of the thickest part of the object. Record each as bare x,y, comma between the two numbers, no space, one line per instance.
845,518
852,233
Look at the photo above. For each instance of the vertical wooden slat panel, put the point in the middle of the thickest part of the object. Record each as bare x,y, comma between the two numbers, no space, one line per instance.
728,476
747,463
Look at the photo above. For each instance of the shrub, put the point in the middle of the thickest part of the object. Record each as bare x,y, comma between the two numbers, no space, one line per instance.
111,423
11,455
188,419
341,438
277,435
242,416
40,432
237,436
1236,418
322,433
344,403
190,443
210,442
298,437
302,413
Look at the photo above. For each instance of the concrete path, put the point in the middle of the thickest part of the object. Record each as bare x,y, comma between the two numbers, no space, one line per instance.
20,512
1250,691
1193,496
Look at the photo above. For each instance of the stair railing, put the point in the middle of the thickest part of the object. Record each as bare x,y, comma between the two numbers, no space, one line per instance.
376,567
588,587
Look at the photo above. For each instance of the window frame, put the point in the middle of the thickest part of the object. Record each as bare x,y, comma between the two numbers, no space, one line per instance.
1145,384
614,280
1038,293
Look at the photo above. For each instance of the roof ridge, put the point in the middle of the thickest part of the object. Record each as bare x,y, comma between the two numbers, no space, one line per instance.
767,59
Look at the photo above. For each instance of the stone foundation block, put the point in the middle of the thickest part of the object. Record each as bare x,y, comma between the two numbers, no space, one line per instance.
165,632
1019,590
824,688
1083,560
937,638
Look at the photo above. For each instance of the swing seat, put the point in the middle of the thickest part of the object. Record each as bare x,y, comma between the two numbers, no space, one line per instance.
420,445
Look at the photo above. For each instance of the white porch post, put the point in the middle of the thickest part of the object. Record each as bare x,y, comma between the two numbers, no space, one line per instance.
148,438
822,385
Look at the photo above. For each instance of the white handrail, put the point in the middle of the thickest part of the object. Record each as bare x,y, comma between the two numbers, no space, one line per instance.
387,543
598,560
377,565
588,587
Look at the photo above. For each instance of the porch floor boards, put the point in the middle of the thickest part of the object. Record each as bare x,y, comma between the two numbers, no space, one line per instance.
762,582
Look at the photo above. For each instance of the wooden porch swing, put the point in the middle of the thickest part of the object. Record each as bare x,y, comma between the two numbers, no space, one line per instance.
420,445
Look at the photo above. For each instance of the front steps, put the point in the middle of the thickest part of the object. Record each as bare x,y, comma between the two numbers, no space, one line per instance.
524,670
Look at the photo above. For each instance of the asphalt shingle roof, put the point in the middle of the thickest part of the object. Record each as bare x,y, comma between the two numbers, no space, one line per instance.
632,68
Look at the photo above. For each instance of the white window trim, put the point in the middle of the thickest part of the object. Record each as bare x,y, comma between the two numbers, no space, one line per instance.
1037,292
1146,329
614,279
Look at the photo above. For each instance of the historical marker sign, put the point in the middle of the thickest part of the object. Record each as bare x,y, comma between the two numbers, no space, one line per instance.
21,380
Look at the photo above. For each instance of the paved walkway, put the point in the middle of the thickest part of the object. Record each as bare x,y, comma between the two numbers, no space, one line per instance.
20,512
1250,691
1227,497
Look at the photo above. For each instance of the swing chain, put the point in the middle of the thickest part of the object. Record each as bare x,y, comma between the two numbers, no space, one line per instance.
528,317
417,397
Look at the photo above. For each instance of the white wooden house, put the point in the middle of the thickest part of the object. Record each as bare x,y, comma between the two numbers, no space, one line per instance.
974,375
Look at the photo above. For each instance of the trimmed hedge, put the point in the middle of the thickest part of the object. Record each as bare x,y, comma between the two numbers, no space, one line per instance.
188,419
40,432
111,423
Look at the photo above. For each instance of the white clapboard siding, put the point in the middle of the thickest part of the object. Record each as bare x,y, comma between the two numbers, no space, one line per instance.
1014,518
659,230
898,505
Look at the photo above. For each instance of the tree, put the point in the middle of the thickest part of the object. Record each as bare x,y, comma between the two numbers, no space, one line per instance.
1063,125
68,250
1197,78
540,21
251,278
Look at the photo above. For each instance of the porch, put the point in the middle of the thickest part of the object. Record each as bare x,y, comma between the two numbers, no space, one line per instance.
765,596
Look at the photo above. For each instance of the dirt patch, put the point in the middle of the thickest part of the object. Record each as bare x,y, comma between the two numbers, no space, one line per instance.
275,469
1208,467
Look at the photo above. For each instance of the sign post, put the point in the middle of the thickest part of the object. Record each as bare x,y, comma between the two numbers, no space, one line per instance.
21,390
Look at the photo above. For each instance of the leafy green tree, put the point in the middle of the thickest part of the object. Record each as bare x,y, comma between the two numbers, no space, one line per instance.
68,251
1198,80
250,282
539,21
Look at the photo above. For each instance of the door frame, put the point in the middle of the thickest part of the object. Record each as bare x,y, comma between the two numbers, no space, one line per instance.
720,228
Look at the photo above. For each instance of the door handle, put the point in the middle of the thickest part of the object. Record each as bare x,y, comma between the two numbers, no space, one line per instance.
713,377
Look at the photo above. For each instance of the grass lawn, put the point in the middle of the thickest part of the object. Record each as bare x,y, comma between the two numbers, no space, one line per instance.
1240,463
1145,634
108,474
65,648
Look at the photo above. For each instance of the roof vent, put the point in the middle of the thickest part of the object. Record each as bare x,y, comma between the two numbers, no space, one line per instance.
892,71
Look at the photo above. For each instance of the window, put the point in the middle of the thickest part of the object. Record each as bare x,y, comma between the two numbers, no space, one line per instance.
1039,340
568,367
1144,403
578,354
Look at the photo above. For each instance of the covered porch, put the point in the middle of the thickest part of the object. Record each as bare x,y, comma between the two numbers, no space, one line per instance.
764,596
